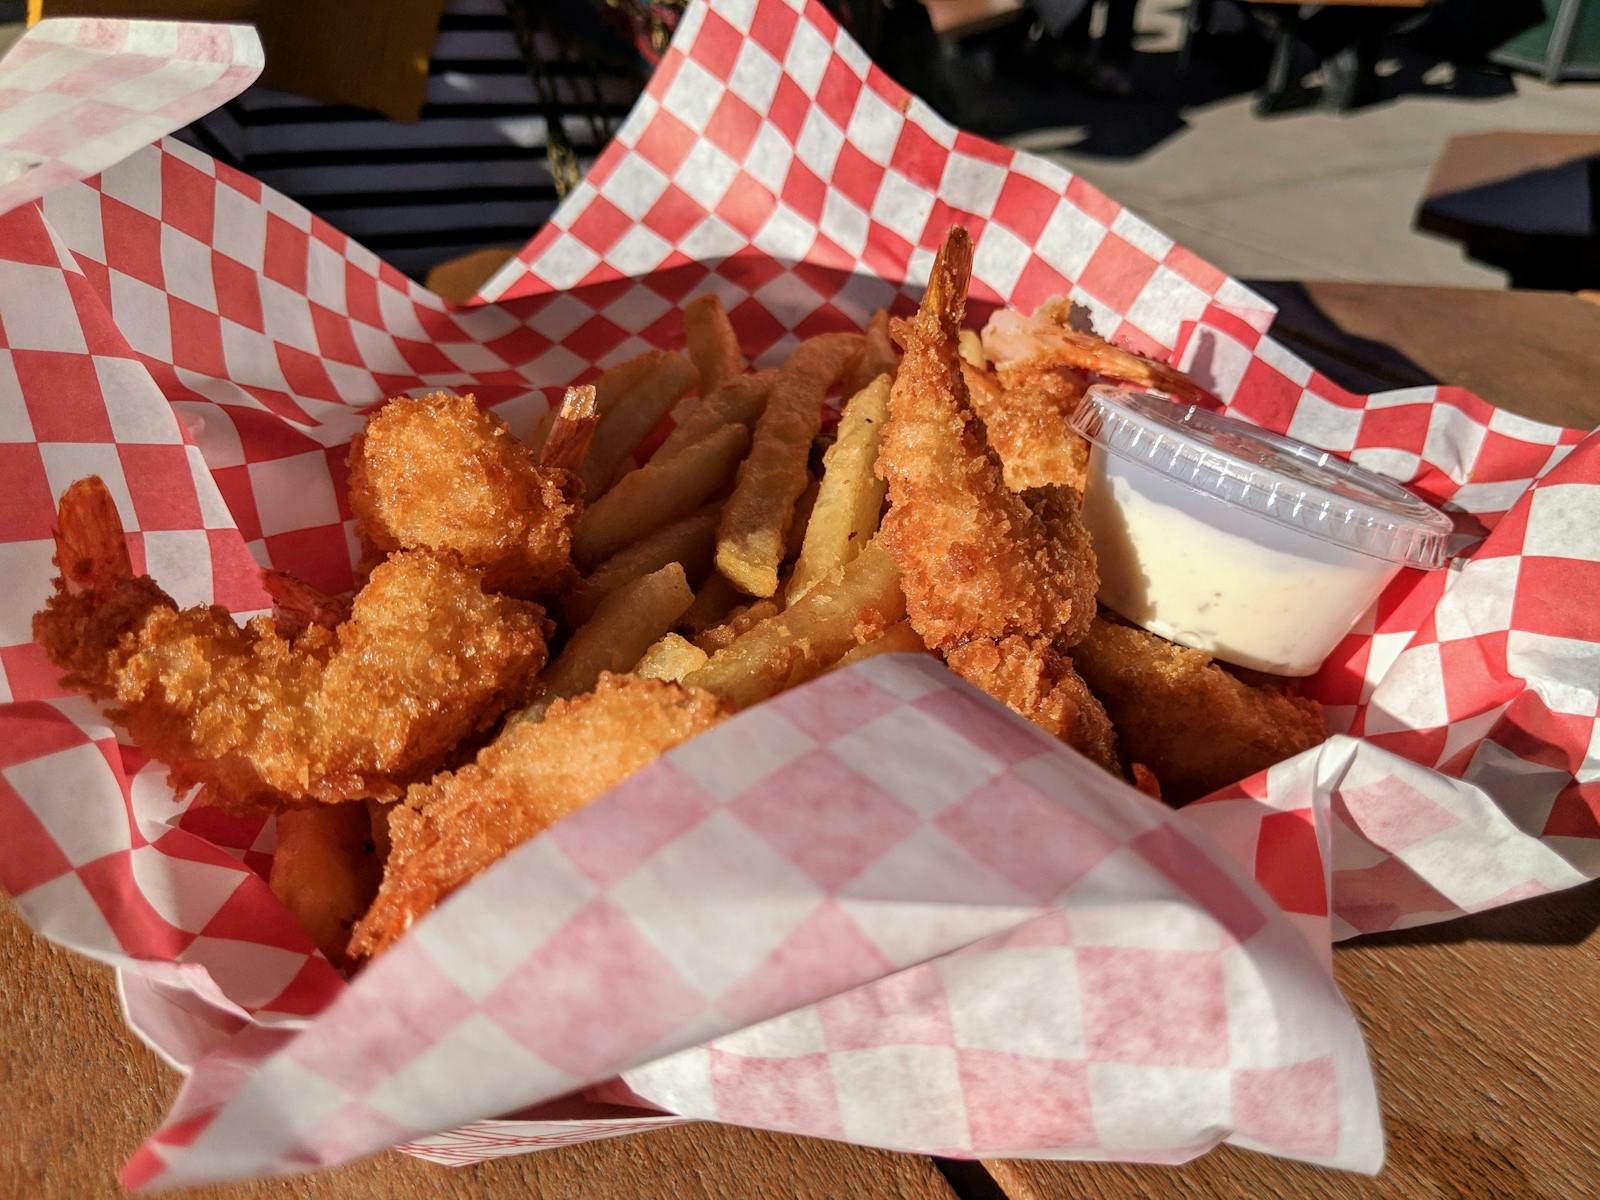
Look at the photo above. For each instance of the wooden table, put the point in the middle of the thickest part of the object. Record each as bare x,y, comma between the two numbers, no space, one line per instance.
1483,1031
1523,201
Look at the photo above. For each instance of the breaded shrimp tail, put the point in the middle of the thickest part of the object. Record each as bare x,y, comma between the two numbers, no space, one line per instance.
1195,726
425,658
527,779
975,558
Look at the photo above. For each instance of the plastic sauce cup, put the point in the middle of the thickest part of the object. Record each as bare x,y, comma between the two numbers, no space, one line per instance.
1216,534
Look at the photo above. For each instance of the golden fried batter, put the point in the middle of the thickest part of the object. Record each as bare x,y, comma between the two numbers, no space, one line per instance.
975,559
523,782
1195,726
1038,682
441,474
1025,416
425,658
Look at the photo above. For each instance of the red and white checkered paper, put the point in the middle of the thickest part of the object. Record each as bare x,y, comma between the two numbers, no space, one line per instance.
877,908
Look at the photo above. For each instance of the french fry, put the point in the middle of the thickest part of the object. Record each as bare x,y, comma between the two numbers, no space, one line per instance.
803,508
856,604
325,872
671,658
897,639
970,346
850,497
738,401
658,493
712,604
755,520
609,390
712,343
625,625
631,417
740,622
690,542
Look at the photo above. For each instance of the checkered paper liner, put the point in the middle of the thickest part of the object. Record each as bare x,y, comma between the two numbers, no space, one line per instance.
878,886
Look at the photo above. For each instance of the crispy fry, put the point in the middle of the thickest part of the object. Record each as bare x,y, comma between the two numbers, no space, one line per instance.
712,343
1195,726
671,659
899,638
740,622
850,498
739,401
623,627
970,347
658,493
325,871
713,603
803,508
690,542
878,355
631,417
755,521
855,605
527,779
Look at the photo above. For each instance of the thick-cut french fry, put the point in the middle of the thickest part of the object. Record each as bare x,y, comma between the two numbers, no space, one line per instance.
630,419
897,639
970,347
712,604
671,658
803,508
712,343
325,872
690,542
737,402
878,355
856,604
625,625
850,497
740,622
609,389
658,493
755,521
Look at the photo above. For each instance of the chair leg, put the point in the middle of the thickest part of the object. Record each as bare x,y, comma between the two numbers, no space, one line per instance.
1273,97
1196,21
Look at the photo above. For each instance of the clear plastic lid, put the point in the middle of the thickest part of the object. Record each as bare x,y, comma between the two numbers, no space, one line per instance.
1285,481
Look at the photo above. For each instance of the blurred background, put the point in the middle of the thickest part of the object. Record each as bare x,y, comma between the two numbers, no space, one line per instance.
1402,141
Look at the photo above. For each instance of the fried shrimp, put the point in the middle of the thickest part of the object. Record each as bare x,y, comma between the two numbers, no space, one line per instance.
523,782
1195,726
1026,418
441,474
976,560
1048,339
1039,682
425,658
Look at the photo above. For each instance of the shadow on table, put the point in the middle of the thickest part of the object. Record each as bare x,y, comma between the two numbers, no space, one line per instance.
1563,919
1359,364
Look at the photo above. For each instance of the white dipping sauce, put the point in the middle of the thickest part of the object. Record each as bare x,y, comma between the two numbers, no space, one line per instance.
1217,534
1207,574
